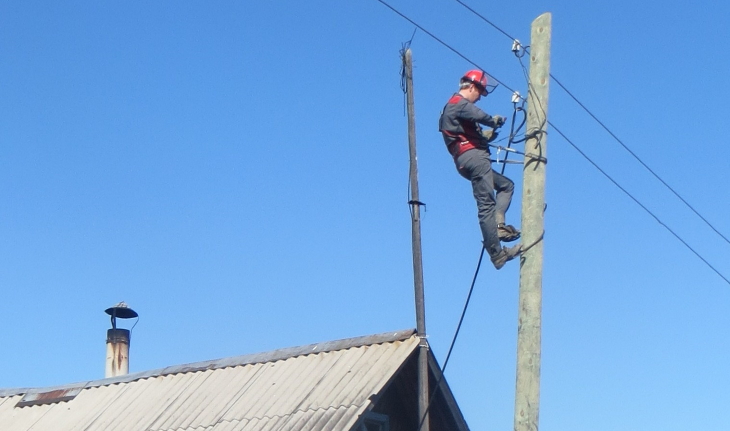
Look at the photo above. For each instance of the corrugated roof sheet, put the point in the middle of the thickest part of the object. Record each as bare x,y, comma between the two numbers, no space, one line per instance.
324,386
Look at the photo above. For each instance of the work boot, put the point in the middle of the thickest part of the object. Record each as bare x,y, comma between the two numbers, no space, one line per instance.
507,254
507,233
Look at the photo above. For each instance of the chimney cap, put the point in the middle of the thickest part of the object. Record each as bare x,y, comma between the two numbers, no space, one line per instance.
121,311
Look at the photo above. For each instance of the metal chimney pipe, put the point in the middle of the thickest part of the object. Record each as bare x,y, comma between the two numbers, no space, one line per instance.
117,352
117,341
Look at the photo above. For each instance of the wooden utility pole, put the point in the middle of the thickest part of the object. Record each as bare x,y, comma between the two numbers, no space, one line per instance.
527,393
414,203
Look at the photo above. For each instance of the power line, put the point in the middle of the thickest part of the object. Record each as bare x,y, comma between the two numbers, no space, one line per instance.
637,202
641,161
613,135
444,43
572,144
485,19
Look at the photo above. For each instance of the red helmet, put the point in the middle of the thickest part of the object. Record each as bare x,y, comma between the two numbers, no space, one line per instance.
478,78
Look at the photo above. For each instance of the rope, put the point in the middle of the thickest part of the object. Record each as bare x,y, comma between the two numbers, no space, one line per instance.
453,341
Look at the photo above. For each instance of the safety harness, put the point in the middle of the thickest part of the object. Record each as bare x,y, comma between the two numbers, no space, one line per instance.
460,141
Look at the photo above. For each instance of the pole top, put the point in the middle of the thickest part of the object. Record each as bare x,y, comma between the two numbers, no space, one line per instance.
544,19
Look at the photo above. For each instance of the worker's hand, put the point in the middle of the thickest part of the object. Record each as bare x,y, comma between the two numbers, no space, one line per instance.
490,135
498,121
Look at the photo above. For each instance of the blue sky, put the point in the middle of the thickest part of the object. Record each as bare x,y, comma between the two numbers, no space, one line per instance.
238,172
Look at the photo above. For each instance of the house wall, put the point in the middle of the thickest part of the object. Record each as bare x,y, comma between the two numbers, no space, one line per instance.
400,402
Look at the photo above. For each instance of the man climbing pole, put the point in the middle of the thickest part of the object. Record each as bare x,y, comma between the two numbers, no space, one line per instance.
469,145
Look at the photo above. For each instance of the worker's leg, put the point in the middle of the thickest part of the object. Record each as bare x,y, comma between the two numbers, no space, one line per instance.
505,189
475,166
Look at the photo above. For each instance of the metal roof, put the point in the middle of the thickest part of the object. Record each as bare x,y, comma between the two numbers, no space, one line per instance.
325,386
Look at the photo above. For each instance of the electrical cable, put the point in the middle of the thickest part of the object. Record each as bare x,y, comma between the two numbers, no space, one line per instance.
453,341
444,44
638,159
638,203
513,132
573,144
541,128
485,19
532,134
404,47
613,135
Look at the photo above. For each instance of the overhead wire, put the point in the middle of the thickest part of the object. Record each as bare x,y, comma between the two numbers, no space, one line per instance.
529,84
641,161
571,143
638,202
452,49
514,131
603,125
496,27
561,134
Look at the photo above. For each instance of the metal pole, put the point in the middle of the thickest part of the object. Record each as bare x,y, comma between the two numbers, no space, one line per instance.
417,257
527,393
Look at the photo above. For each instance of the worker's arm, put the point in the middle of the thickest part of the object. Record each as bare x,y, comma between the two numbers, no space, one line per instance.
471,112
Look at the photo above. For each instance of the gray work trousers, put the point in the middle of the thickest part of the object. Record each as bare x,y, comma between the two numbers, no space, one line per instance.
475,166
